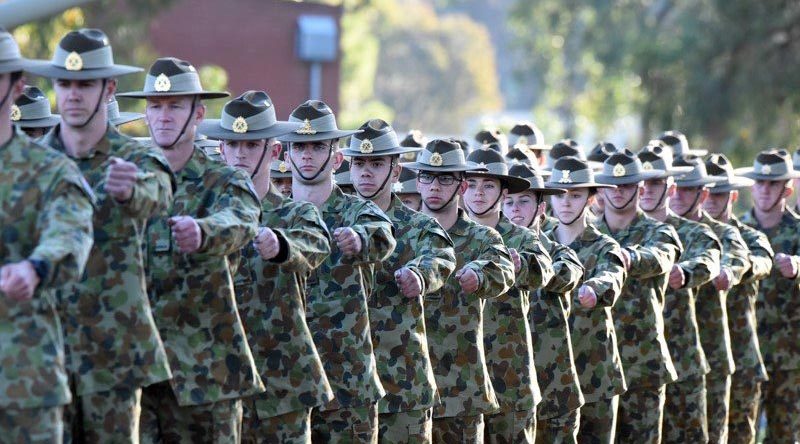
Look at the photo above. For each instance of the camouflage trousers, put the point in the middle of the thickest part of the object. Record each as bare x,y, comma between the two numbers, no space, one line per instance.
31,426
351,425
685,411
718,396
780,400
458,429
510,427
110,416
164,421
415,426
559,429
640,417
743,417
599,421
289,428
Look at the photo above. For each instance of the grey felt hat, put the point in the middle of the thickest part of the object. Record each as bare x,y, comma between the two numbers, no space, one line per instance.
697,176
496,168
534,177
443,155
317,124
342,175
11,59
571,172
526,135
377,138
173,77
623,168
407,183
492,139
32,110
251,116
719,166
680,144
658,156
117,117
773,164
279,168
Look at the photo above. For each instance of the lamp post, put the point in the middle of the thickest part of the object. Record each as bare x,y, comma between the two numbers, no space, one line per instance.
317,42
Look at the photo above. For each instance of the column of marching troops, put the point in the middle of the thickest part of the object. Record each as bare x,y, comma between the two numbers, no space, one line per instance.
161,291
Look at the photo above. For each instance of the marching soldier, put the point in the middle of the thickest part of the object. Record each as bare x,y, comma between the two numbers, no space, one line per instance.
593,336
406,189
492,139
750,371
685,417
132,182
341,177
32,113
421,263
337,310
270,282
281,174
454,314
118,118
779,295
214,214
507,337
46,218
677,142
649,249
528,138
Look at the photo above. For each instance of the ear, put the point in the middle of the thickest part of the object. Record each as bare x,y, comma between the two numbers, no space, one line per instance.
17,88
542,207
462,186
199,112
787,190
274,148
671,190
396,171
734,196
111,89
590,200
338,158
703,196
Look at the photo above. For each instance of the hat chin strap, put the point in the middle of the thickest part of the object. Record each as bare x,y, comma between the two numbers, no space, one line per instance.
321,169
536,213
580,214
724,207
694,204
625,204
491,207
185,125
383,184
96,106
660,199
261,159
453,196
8,93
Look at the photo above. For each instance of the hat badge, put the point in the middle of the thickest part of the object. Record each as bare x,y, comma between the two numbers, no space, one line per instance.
73,62
766,169
619,170
647,166
482,164
397,187
366,147
16,113
565,177
239,125
522,140
162,83
306,128
436,159
282,167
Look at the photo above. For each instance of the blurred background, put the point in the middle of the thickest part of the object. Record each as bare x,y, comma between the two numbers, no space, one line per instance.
721,71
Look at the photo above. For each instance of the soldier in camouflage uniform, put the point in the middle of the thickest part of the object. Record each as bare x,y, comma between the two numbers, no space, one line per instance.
741,304
45,240
592,330
454,314
341,177
685,406
32,113
214,214
337,310
281,174
109,306
649,249
779,295
507,337
270,281
118,118
691,192
528,138
421,263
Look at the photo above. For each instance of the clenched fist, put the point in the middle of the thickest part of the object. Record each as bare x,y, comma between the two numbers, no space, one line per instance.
18,280
587,296
266,243
676,277
723,281
408,282
786,265
120,179
468,280
348,241
516,259
626,259
187,234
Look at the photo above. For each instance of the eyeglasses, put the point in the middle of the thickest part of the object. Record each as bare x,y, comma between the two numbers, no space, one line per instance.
444,179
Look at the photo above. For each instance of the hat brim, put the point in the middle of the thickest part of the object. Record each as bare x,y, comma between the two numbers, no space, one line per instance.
576,186
738,183
750,173
625,180
126,117
467,167
697,182
316,137
27,65
398,150
514,184
544,191
44,122
212,129
204,95
51,71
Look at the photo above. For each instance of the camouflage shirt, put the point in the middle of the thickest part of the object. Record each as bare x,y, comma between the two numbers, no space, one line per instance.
337,310
398,323
638,315
778,308
552,342
109,306
711,303
272,303
192,294
594,340
742,303
455,321
45,214
699,263
507,336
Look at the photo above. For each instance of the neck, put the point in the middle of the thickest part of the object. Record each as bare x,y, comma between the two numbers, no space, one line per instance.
659,214
725,216
694,214
618,220
80,141
262,183
446,217
178,156
568,233
384,199
771,218
489,219
316,193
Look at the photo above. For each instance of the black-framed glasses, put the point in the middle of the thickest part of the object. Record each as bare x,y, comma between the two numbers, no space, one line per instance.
444,179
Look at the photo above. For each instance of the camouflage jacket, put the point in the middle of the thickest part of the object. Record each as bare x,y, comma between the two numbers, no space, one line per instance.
778,308
712,303
109,306
271,295
742,304
594,340
45,214
638,315
548,223
552,342
455,321
507,337
192,294
700,264
337,310
398,323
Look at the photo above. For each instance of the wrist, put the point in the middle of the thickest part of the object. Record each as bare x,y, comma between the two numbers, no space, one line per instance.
41,267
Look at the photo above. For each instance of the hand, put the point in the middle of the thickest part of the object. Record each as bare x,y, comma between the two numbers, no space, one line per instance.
120,179
786,265
266,243
723,281
626,259
676,278
18,280
348,241
468,280
587,296
408,282
188,235
516,259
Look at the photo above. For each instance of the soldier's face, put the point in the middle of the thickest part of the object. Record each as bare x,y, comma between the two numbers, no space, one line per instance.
435,195
76,99
246,154
483,194
411,200
369,174
653,193
166,117
309,157
568,206
598,205
767,193
520,208
687,198
284,185
718,205
623,197
35,133
14,93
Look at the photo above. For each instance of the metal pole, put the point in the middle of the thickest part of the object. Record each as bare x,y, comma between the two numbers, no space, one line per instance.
315,81
17,12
